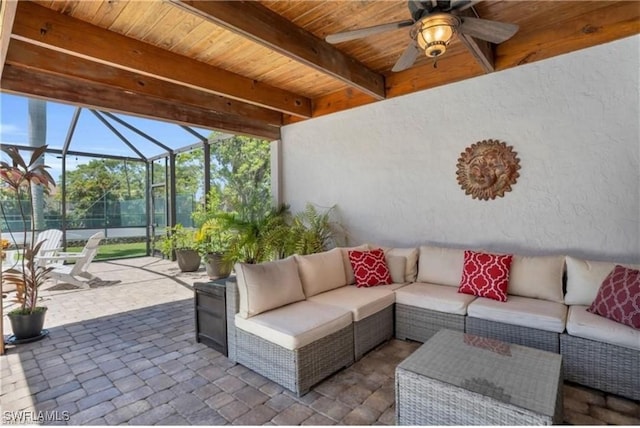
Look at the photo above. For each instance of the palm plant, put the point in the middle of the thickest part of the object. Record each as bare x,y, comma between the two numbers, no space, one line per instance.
22,178
313,232
256,240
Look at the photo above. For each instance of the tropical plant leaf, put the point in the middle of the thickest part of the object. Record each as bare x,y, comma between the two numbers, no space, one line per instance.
35,155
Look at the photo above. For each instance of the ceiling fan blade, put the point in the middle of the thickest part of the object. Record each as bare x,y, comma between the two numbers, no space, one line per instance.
460,5
407,58
491,31
364,32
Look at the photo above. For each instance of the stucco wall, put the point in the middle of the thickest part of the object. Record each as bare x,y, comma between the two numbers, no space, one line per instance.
390,167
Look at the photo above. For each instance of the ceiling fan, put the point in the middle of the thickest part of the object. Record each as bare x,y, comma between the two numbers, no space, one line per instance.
433,24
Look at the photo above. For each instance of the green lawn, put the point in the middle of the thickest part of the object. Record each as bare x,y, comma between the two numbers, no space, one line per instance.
115,251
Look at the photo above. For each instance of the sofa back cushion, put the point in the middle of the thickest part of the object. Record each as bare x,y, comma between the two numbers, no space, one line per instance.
321,272
397,268
584,278
267,286
348,270
439,265
411,265
538,277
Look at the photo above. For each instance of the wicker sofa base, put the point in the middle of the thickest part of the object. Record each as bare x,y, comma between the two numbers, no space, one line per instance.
525,336
420,324
297,370
372,331
603,366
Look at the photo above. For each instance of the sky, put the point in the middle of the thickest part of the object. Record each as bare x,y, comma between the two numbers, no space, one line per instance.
90,135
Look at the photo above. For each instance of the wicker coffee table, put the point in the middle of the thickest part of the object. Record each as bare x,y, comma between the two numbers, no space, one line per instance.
461,379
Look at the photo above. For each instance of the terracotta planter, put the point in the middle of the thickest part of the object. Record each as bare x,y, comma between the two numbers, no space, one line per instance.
188,260
27,326
216,268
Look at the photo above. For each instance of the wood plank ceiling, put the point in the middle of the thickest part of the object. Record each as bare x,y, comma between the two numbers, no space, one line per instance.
250,67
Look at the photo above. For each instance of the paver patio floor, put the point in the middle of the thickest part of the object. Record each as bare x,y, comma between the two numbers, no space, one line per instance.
124,352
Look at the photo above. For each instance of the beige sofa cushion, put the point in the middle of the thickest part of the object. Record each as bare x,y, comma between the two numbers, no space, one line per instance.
348,270
321,272
539,277
584,324
411,262
522,311
440,265
397,267
361,301
296,325
441,298
584,278
266,286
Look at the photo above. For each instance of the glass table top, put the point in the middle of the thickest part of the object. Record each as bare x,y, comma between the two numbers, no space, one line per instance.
514,374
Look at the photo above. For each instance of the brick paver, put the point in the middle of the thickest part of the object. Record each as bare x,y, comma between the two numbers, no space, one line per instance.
126,354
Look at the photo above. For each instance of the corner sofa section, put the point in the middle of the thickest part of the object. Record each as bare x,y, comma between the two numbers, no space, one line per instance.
298,320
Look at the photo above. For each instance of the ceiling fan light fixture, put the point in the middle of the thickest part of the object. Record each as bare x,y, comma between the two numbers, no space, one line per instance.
435,32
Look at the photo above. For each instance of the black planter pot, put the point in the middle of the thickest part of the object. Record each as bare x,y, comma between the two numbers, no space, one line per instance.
188,260
216,268
27,326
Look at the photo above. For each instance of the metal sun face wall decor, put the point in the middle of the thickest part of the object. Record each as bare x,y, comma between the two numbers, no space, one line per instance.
487,169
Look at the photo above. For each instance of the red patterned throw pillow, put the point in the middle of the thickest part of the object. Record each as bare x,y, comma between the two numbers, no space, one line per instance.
369,268
485,275
618,298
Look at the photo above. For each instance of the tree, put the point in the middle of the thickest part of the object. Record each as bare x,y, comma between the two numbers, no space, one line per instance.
38,138
241,176
99,182
189,171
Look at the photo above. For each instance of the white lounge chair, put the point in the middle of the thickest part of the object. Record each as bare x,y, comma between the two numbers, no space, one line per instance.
70,273
51,244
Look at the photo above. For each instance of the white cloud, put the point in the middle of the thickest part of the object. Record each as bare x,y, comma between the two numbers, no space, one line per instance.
7,129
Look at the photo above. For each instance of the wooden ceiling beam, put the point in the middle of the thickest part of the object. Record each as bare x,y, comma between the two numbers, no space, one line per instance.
7,15
38,58
612,21
261,25
24,81
39,25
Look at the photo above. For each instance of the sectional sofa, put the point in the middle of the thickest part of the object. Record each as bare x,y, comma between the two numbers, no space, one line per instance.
298,320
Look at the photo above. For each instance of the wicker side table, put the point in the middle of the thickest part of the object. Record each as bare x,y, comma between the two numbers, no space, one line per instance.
461,379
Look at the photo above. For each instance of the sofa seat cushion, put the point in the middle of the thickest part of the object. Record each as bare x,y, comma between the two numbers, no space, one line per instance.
267,286
321,272
441,298
393,286
522,311
361,302
296,325
581,323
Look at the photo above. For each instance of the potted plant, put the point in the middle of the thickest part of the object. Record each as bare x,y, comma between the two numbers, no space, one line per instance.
21,178
181,241
212,240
